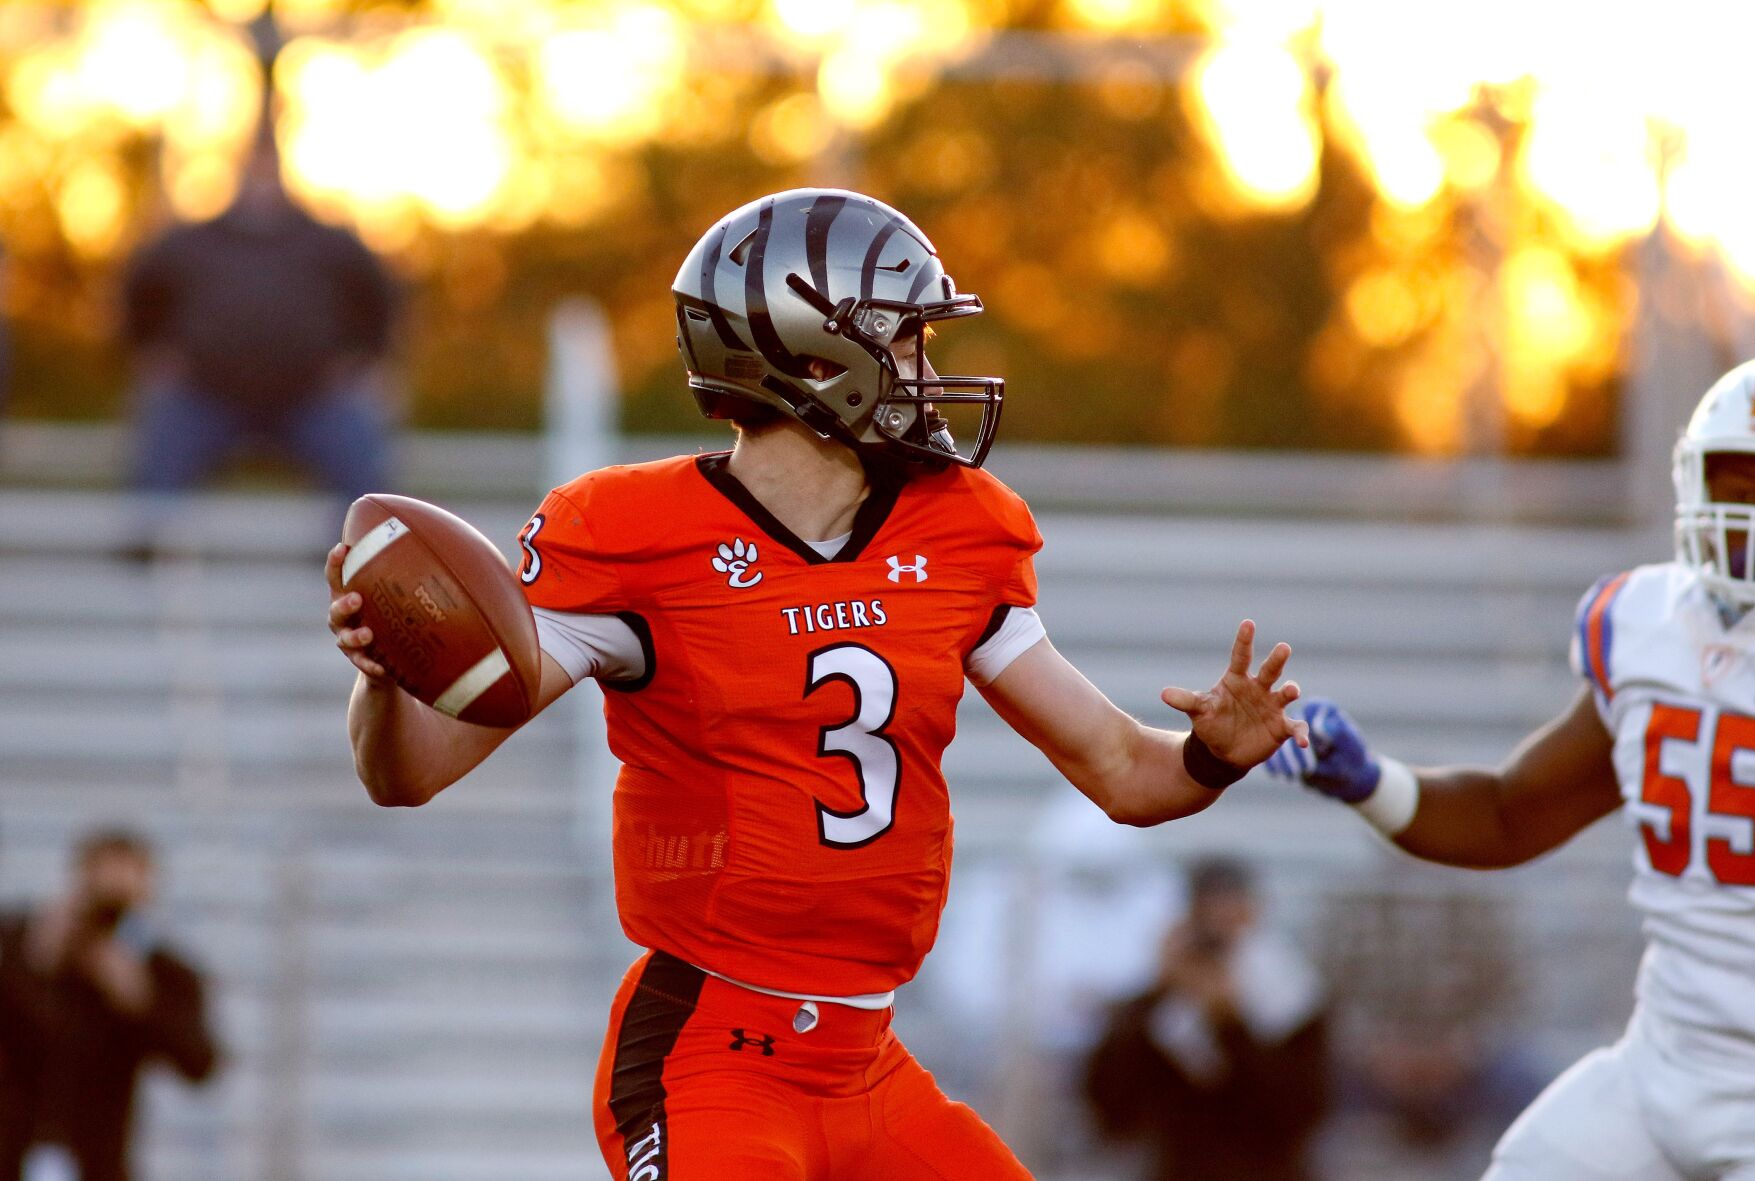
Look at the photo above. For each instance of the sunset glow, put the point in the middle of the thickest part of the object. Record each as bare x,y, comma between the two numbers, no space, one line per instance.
1537,158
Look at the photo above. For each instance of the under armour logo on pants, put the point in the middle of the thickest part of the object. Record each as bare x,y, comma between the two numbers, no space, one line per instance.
762,1041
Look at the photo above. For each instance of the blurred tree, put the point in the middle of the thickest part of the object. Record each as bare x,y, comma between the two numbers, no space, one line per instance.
1187,231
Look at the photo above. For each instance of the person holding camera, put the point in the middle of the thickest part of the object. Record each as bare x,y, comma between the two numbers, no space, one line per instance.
89,997
1221,1067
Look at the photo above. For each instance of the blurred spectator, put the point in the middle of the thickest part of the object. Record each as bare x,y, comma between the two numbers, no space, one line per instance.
1434,1063
1075,923
1222,1065
88,996
1438,1083
260,325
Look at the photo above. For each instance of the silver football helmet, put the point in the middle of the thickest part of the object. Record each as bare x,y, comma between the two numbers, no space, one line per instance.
830,276
1714,537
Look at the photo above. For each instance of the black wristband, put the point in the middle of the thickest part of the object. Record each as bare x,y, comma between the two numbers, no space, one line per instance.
1207,768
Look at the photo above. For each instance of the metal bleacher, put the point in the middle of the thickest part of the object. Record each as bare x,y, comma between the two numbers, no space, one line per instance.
419,995
402,995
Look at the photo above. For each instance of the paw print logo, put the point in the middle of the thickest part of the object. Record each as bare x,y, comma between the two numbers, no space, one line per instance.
736,559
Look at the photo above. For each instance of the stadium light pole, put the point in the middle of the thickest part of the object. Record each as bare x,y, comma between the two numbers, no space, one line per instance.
1687,332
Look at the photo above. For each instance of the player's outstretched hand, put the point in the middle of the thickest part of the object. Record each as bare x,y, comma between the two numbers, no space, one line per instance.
1243,719
1336,761
344,610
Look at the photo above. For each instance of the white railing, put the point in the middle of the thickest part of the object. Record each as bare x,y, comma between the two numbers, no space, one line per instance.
583,434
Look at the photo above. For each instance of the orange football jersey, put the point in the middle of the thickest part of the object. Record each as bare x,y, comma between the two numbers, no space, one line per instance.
780,815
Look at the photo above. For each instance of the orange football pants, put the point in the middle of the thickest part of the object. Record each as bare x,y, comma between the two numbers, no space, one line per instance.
701,1080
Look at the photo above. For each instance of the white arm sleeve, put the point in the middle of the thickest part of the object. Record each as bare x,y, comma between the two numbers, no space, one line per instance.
590,645
1020,631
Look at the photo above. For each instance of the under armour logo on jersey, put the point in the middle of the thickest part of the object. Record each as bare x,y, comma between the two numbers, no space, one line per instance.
761,1041
897,568
736,559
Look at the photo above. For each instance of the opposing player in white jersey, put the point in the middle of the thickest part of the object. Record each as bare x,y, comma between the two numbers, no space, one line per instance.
1664,726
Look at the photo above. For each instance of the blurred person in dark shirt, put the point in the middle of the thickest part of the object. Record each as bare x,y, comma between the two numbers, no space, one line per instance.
262,324
1222,1066
88,997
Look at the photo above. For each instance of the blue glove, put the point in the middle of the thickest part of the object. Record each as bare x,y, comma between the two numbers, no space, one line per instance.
1337,764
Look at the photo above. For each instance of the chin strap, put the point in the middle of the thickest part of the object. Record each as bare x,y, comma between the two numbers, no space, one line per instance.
810,411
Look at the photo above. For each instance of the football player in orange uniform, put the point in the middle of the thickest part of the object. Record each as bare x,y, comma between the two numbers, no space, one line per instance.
785,629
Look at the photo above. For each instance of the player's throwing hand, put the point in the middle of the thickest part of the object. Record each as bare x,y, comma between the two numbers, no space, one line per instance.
1242,719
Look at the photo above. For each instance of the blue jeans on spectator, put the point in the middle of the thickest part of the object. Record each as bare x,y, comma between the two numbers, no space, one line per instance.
342,437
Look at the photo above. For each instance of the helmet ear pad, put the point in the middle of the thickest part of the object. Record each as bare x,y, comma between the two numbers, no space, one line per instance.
735,408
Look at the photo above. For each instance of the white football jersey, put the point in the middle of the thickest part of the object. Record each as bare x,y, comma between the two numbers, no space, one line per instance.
1676,688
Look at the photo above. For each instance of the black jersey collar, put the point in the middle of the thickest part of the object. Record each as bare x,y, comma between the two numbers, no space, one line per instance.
716,467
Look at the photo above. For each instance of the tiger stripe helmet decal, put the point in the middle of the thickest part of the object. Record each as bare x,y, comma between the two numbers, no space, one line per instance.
824,275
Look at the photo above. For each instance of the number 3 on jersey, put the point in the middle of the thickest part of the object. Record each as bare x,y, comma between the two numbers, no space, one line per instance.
860,739
1670,852
532,567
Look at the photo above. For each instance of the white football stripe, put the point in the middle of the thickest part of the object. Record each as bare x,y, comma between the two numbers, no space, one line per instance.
472,684
370,546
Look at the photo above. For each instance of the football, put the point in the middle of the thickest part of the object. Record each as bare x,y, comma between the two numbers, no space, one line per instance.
449,621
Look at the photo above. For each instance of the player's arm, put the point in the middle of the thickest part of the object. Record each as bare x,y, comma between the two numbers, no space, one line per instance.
1557,782
1139,774
406,752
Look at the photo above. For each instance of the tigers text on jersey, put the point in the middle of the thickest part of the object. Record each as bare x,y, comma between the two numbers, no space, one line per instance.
780,815
1676,688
